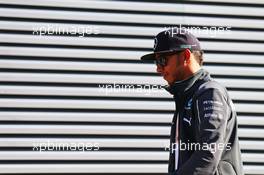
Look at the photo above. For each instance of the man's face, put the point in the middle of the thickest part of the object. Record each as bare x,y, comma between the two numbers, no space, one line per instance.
173,70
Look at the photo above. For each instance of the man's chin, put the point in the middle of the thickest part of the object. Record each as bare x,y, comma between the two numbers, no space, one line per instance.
169,81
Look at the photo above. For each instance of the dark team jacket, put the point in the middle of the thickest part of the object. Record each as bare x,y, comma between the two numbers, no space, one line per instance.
208,125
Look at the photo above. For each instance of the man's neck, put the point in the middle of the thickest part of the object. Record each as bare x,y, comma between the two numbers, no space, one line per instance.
190,72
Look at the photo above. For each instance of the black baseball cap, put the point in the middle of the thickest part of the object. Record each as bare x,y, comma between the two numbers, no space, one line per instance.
172,40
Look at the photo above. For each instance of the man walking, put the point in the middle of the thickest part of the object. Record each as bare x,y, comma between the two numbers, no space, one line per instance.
204,138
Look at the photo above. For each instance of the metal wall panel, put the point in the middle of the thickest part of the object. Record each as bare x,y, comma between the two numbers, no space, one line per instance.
53,87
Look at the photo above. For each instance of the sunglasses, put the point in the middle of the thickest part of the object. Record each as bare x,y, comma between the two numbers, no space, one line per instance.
162,59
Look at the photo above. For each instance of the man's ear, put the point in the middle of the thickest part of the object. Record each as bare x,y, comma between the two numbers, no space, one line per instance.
187,56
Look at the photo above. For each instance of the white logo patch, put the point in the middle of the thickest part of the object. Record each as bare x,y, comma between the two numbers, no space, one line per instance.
189,104
188,121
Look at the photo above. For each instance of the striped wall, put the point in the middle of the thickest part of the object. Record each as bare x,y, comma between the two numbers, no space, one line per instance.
65,88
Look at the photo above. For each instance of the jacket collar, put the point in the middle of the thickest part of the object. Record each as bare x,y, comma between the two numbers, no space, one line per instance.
179,87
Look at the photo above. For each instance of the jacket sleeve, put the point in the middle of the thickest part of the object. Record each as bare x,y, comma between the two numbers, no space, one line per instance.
211,112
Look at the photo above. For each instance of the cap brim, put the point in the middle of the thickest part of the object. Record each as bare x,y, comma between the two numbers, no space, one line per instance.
151,56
